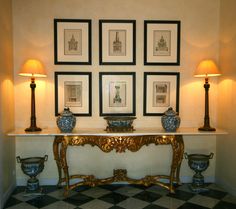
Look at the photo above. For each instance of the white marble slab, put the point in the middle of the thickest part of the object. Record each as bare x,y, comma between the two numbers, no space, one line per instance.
99,131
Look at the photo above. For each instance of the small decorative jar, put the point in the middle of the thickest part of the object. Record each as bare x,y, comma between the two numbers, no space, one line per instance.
170,120
66,121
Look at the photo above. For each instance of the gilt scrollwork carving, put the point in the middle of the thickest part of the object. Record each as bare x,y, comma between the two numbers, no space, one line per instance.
120,144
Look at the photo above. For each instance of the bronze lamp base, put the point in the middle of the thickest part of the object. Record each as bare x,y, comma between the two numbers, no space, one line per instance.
33,129
206,128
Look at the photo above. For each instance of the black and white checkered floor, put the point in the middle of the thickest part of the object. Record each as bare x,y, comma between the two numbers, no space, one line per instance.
123,197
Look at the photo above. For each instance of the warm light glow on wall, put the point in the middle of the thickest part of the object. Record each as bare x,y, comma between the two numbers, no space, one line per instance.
7,100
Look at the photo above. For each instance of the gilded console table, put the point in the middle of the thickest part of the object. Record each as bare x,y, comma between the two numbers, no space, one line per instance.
120,142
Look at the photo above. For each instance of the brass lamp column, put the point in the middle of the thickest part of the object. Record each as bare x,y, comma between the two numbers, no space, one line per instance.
33,68
207,68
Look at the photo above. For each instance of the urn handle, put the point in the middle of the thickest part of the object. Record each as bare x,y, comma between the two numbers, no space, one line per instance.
46,158
211,155
18,159
185,155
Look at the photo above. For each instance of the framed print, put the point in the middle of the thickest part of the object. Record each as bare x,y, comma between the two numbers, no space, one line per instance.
161,42
161,91
72,42
73,90
117,40
117,93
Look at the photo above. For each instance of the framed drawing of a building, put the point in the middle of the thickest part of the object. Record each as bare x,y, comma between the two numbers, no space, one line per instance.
72,42
117,93
117,40
73,90
161,91
161,42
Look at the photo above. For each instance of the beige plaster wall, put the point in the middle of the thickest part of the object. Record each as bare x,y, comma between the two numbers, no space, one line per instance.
7,144
226,167
33,37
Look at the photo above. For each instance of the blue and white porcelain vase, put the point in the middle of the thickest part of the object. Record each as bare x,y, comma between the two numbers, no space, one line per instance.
170,120
66,121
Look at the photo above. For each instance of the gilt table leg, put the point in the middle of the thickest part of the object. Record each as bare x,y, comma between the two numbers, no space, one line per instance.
64,165
178,150
57,141
179,138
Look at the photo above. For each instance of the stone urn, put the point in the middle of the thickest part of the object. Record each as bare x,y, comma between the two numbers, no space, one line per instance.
31,167
170,120
198,163
66,121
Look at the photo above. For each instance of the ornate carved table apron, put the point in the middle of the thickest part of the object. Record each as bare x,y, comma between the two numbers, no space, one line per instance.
119,143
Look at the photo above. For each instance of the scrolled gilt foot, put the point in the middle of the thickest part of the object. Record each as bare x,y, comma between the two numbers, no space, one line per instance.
172,191
147,181
66,193
120,175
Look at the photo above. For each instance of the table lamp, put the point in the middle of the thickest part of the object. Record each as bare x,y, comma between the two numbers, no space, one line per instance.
207,68
32,68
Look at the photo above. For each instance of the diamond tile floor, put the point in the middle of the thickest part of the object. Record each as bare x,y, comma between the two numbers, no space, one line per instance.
117,196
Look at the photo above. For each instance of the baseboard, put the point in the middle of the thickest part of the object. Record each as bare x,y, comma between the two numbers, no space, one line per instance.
53,181
42,181
8,193
226,186
188,179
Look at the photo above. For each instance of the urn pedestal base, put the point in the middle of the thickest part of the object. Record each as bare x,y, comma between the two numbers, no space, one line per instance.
33,188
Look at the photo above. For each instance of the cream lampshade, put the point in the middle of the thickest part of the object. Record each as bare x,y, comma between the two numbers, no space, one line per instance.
33,68
207,68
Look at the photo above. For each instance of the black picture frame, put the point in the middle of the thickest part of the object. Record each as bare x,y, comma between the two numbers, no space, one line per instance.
78,34
117,42
161,91
162,42
117,93
79,84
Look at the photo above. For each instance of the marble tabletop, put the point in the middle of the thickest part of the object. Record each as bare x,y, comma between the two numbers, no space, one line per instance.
188,131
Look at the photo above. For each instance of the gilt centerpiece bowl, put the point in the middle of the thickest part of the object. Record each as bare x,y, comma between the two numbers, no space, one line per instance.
119,123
